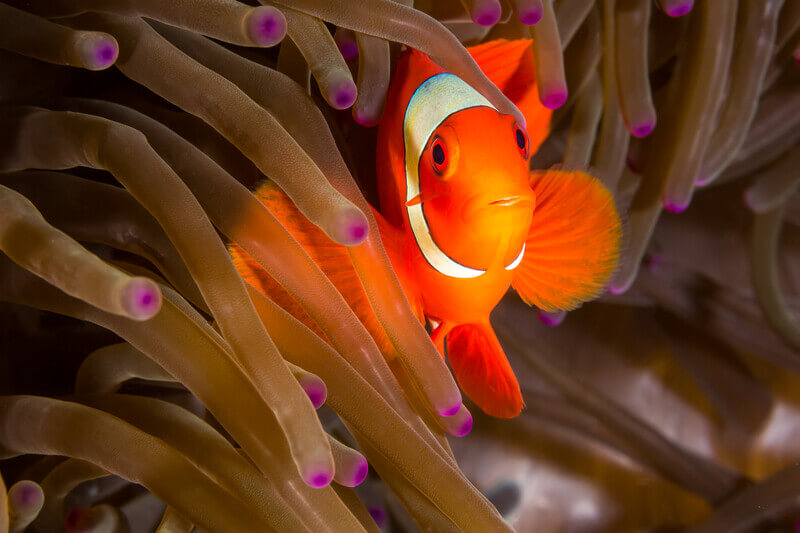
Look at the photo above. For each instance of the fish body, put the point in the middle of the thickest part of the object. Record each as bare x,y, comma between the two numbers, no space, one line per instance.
463,218
453,179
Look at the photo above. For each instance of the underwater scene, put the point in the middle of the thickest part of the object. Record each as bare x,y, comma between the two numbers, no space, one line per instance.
399,266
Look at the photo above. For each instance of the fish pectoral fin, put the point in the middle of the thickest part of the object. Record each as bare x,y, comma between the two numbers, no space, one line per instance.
509,64
573,244
440,329
482,370
414,201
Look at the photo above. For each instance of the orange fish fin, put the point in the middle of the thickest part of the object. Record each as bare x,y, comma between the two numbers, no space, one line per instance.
509,64
283,209
391,237
439,331
257,276
332,258
573,245
482,370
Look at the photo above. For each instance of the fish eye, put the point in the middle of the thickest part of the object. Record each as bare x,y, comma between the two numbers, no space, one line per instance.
439,155
522,141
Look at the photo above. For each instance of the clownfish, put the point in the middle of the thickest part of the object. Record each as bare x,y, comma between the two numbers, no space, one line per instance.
463,218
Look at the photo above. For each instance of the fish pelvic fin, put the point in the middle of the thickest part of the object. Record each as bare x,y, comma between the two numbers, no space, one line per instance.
509,65
482,370
573,245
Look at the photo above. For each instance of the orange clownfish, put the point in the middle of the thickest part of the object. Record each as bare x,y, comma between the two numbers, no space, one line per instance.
463,218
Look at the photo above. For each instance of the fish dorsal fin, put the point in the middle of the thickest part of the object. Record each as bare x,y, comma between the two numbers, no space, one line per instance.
573,245
509,65
482,370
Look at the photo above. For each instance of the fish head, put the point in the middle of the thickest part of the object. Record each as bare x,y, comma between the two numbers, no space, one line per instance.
474,187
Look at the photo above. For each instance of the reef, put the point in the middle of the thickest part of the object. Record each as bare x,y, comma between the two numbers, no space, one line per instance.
145,386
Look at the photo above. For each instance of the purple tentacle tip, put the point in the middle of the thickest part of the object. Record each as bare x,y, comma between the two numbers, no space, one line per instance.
343,94
98,50
653,261
379,515
450,411
465,427
487,15
357,232
618,289
266,26
317,397
350,227
315,389
530,17
552,319
361,473
365,118
348,49
678,10
25,494
141,299
106,54
703,180
675,207
643,130
555,99
319,480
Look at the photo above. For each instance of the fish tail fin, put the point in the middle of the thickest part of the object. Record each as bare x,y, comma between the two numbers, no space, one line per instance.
509,65
573,244
482,370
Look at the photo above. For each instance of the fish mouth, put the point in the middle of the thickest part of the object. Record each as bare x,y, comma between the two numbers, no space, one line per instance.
507,201
483,206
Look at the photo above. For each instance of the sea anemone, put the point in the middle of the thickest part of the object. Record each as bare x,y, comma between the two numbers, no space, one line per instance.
177,395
